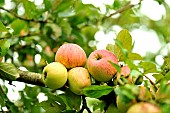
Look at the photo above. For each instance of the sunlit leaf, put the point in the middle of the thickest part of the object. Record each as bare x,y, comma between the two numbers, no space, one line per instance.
148,67
18,26
3,28
158,77
115,66
123,43
30,9
167,76
110,47
125,38
95,91
135,56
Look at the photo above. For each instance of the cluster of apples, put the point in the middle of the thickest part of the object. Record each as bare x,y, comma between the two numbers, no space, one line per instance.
72,65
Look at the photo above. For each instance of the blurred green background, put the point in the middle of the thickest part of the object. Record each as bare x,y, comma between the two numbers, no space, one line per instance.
32,30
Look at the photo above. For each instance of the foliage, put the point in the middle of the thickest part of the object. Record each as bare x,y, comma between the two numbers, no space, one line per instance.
39,30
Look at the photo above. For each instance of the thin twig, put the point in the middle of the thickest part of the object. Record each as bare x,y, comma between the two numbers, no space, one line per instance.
122,9
151,81
21,18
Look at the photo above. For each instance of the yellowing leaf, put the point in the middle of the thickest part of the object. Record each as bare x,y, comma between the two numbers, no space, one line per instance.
125,38
123,44
134,56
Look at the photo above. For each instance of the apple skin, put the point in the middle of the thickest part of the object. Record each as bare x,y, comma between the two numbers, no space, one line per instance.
144,107
125,71
99,67
78,78
71,55
55,75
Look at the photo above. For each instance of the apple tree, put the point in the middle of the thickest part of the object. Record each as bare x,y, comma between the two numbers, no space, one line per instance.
35,76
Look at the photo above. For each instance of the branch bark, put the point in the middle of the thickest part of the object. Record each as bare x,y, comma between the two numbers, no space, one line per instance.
21,18
30,77
122,9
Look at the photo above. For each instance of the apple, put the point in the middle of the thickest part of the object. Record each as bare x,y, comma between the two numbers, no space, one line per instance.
99,66
125,71
144,107
78,78
71,55
55,75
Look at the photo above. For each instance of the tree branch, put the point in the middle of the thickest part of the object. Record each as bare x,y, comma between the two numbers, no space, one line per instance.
122,9
30,77
21,18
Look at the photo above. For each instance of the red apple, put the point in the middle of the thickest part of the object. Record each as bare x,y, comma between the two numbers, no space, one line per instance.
144,107
125,71
99,66
71,55
78,78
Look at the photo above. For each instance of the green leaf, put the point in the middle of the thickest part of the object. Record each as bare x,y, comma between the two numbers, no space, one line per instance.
18,26
30,9
148,67
167,76
120,51
134,56
53,110
96,91
4,47
3,28
73,100
45,105
8,71
115,66
167,61
125,38
127,92
112,109
47,4
66,27
89,31
158,77
2,2
51,107
32,92
123,44
110,47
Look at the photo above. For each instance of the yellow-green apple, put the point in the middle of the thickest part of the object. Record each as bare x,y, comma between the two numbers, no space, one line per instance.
144,107
55,75
71,55
99,66
78,78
